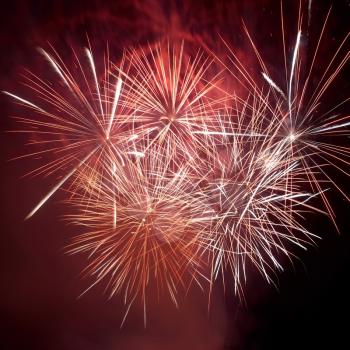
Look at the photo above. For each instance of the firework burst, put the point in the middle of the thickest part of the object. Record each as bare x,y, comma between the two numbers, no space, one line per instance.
175,179
295,107
147,223
255,209
271,158
76,119
173,96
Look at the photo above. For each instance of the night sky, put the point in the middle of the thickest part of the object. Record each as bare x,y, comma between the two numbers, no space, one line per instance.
40,284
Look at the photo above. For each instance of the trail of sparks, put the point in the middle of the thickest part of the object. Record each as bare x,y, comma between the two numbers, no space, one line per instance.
59,184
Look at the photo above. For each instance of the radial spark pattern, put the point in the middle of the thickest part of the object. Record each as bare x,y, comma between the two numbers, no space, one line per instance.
181,166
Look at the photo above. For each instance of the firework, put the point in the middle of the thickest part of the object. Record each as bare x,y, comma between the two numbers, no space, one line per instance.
145,224
295,108
173,95
255,207
271,158
76,119
175,179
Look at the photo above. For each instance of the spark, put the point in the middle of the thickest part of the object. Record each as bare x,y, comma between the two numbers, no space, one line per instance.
59,184
114,107
291,77
273,84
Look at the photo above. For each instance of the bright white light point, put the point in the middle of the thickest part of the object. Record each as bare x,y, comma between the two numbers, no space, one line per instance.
137,153
133,137
292,137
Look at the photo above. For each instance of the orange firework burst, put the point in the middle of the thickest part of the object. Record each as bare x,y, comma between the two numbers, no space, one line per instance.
145,222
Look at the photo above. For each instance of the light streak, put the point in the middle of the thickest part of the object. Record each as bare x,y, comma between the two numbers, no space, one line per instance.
59,184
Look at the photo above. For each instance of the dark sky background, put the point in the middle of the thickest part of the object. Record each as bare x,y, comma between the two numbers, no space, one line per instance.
39,307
